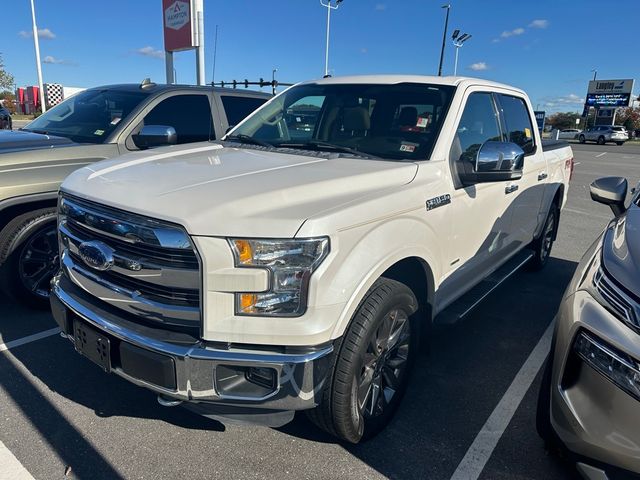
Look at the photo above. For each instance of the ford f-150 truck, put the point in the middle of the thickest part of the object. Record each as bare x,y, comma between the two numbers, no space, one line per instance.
273,272
96,124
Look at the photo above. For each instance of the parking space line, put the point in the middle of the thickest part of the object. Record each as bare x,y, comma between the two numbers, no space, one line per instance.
10,466
28,339
485,442
601,154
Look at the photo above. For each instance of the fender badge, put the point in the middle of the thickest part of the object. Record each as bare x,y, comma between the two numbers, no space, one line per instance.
438,201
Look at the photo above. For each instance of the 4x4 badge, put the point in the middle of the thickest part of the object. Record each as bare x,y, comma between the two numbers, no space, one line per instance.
438,201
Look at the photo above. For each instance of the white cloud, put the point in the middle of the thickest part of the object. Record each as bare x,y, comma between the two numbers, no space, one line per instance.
150,52
479,66
380,7
42,33
571,100
50,59
539,24
512,33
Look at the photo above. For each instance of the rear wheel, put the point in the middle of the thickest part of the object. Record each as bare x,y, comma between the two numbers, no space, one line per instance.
601,140
619,143
29,243
581,139
371,369
543,245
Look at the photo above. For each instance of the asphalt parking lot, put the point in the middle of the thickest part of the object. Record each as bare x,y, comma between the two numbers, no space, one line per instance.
57,410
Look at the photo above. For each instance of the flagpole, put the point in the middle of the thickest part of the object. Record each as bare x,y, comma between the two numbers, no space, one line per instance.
36,44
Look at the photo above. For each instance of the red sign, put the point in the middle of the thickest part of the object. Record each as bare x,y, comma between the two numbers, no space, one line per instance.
178,25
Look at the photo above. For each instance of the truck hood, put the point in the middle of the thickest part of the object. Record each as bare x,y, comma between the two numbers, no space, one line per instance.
621,250
15,140
218,191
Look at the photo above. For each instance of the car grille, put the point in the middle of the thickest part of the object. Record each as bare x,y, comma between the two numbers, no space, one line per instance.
152,272
618,301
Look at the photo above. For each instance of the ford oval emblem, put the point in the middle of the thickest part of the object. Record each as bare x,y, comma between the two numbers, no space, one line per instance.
96,255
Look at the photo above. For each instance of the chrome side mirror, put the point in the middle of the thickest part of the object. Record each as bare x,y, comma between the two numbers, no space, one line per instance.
495,162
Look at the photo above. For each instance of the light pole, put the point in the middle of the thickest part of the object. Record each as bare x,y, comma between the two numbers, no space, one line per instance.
273,81
444,38
458,41
329,7
36,44
595,74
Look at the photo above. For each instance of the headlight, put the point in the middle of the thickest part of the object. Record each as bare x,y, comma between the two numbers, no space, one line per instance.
290,263
608,293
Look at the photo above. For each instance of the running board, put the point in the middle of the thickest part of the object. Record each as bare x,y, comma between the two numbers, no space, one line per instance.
462,307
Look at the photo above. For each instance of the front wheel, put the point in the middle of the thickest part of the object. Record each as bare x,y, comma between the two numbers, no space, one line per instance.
619,143
30,245
601,140
371,369
581,139
542,246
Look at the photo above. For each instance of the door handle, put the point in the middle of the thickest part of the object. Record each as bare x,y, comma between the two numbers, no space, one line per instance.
542,176
510,189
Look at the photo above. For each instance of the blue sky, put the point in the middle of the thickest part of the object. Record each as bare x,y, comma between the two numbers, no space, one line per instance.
546,47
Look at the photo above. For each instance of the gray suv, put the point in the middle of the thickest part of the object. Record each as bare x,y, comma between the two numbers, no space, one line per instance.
605,133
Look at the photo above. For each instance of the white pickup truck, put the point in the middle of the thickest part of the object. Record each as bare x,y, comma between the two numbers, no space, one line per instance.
295,264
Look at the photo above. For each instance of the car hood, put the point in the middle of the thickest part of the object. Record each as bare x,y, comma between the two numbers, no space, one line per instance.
15,140
621,250
218,191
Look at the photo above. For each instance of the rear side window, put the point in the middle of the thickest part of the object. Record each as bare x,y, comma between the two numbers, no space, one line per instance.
479,124
238,108
190,115
518,126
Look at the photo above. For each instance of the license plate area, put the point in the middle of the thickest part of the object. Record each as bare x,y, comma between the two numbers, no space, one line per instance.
93,345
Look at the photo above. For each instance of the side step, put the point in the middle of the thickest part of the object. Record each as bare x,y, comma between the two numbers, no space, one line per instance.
459,309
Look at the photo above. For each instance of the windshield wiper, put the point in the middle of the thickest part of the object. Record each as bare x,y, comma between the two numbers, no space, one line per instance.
248,139
41,132
316,145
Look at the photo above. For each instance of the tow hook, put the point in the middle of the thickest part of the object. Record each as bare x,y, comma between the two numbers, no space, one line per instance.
168,402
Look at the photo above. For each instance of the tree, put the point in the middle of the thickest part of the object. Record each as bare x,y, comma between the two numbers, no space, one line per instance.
7,99
6,79
629,117
563,120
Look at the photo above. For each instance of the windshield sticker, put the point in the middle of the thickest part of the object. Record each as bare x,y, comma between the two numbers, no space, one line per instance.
115,120
99,132
407,148
527,132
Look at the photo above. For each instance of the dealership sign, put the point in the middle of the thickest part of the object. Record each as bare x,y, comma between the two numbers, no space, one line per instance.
609,93
179,25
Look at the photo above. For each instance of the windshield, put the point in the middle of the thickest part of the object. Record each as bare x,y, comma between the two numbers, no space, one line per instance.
89,116
397,122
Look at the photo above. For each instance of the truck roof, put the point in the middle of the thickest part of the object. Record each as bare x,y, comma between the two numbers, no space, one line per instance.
394,79
163,87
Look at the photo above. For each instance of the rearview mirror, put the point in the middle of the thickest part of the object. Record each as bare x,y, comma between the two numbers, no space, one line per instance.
494,162
610,191
155,136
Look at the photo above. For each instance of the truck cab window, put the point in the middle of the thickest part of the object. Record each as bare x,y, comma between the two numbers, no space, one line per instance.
479,124
518,125
238,108
190,115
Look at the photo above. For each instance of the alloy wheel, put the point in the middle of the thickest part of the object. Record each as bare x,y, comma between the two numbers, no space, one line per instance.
39,261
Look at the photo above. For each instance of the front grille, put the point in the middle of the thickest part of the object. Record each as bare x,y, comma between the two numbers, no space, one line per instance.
152,272
617,300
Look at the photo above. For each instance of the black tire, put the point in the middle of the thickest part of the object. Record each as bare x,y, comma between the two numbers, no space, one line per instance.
542,246
581,139
357,373
601,140
29,246
619,143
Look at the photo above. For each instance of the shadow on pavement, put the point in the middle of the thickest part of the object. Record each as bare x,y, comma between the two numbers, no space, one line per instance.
459,379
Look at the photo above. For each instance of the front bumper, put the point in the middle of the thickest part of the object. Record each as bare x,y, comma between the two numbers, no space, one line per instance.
193,371
594,417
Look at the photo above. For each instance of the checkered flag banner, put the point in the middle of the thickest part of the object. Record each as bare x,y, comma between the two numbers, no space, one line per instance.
53,94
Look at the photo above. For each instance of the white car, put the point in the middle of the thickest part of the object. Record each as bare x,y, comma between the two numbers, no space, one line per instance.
264,274
569,134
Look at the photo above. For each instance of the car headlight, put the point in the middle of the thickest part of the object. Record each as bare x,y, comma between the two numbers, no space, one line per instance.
290,264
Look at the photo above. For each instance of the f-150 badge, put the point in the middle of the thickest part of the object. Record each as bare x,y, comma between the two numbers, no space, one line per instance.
438,201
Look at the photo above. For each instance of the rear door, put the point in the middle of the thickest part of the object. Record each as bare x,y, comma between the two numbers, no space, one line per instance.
526,195
235,108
